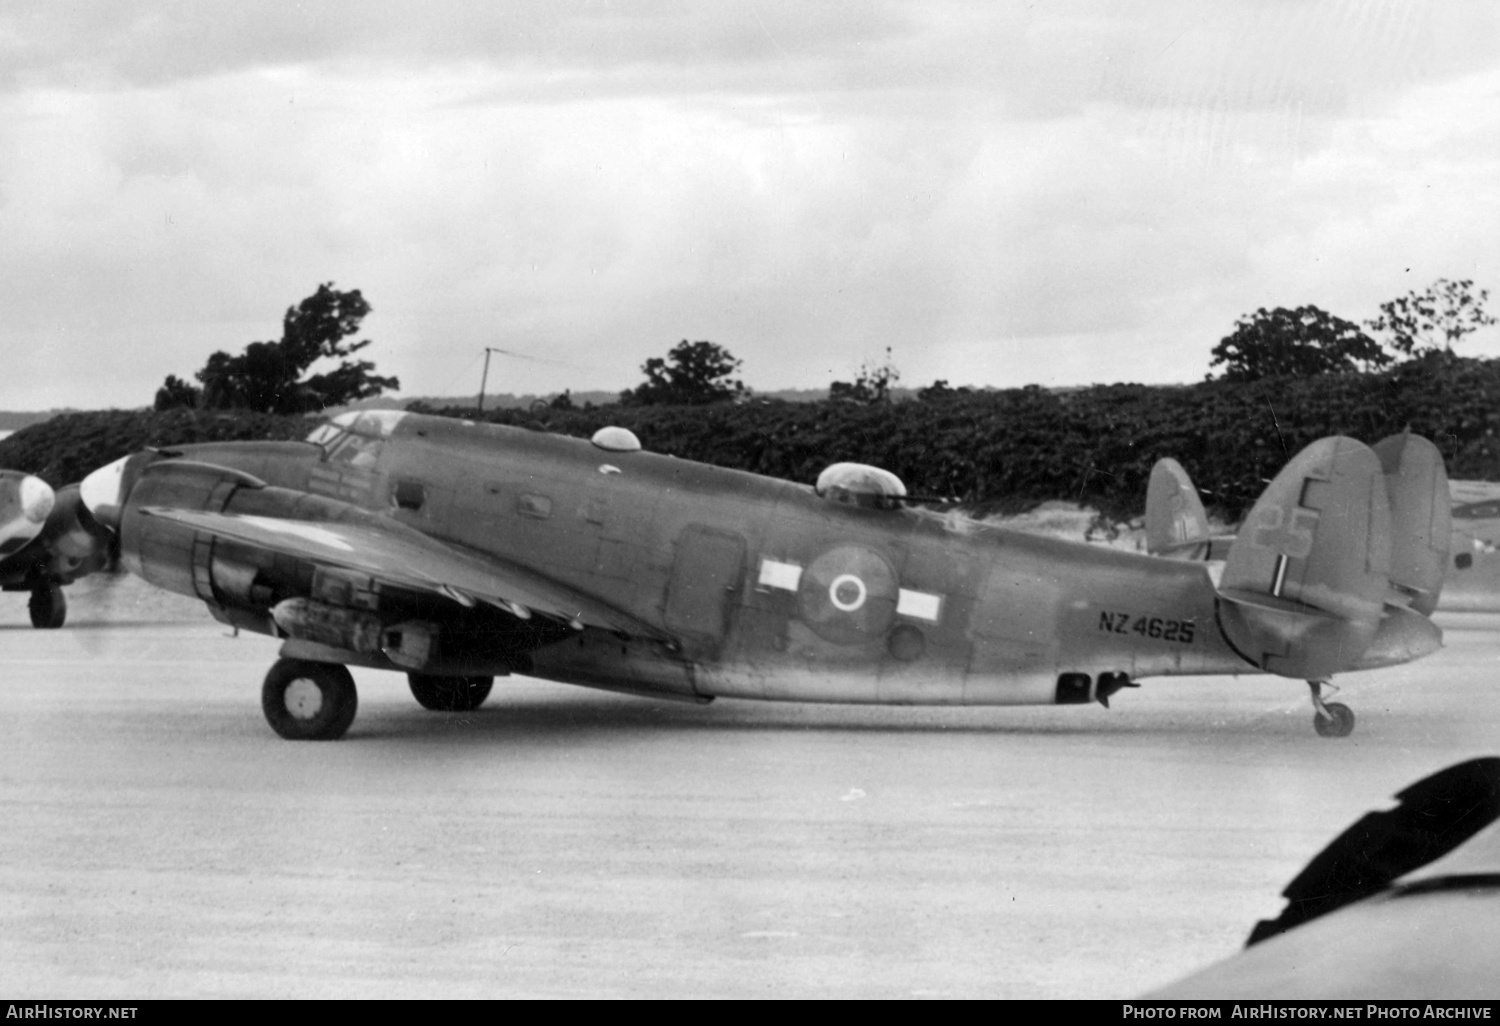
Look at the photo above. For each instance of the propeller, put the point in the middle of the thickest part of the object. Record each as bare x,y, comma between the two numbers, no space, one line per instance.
103,494
82,539
26,501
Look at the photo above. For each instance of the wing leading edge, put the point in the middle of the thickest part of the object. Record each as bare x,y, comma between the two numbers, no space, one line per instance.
408,559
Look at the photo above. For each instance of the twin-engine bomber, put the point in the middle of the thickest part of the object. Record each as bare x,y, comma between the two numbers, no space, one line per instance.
456,552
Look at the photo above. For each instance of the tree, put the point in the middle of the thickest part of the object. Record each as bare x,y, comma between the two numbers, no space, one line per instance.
267,376
1298,343
177,394
1446,312
873,385
940,390
693,374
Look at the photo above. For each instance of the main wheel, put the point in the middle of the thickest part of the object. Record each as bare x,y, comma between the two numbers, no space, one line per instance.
306,701
449,694
1338,723
49,607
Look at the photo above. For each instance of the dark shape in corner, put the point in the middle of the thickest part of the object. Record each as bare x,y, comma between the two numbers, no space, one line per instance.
1436,815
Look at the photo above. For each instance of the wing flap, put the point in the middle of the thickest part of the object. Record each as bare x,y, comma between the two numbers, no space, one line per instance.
406,558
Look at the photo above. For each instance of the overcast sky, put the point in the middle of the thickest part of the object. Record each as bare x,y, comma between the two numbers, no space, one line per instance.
1002,192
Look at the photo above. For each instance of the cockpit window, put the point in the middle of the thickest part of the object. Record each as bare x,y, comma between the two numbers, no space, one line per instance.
367,424
371,423
355,437
355,450
324,433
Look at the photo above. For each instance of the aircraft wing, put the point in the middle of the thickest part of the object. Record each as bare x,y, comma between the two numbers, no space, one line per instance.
406,558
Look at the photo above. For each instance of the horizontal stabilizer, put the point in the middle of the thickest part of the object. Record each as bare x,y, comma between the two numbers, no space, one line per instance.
1305,582
1421,520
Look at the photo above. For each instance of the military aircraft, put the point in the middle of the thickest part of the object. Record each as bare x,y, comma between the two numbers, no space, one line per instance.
1473,583
455,551
1401,905
44,544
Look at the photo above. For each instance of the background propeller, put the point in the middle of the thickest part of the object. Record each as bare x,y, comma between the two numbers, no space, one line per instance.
26,501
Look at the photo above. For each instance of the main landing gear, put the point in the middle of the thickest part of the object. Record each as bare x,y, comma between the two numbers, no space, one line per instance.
449,694
1330,719
307,701
48,607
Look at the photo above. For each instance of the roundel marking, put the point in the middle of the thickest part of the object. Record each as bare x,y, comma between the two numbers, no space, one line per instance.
848,595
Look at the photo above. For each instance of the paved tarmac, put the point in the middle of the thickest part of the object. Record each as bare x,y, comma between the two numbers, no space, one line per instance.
157,840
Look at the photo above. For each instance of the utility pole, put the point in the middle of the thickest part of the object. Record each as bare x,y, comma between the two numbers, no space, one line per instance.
485,379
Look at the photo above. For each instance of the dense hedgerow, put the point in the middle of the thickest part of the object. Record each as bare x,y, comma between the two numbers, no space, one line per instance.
1013,448
64,449
1006,449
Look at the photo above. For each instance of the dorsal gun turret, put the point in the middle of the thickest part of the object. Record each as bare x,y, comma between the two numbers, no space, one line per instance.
858,484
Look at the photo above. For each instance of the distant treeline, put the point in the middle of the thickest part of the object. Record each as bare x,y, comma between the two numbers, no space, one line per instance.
1014,448
991,450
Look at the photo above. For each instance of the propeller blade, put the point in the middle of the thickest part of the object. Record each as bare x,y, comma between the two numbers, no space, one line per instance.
103,493
25,503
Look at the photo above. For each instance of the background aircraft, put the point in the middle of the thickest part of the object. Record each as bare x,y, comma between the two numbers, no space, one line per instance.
455,552
44,544
1473,582
1366,920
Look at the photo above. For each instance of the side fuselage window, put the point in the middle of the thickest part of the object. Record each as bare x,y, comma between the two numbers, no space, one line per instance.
409,495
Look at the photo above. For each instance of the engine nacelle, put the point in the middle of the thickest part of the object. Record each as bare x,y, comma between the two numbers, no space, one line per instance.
174,556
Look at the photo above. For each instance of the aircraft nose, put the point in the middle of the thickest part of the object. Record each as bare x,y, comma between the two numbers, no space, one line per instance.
103,493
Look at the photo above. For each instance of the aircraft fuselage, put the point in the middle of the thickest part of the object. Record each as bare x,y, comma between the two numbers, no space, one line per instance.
770,590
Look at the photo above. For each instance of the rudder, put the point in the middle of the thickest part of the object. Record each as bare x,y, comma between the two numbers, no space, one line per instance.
1421,519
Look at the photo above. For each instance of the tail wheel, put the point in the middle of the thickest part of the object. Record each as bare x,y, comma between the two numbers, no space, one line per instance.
449,694
306,701
49,608
1338,723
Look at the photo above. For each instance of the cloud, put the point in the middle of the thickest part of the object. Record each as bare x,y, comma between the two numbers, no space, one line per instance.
1090,192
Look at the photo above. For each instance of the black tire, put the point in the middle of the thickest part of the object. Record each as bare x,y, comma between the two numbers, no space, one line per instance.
449,694
1341,723
49,608
306,701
